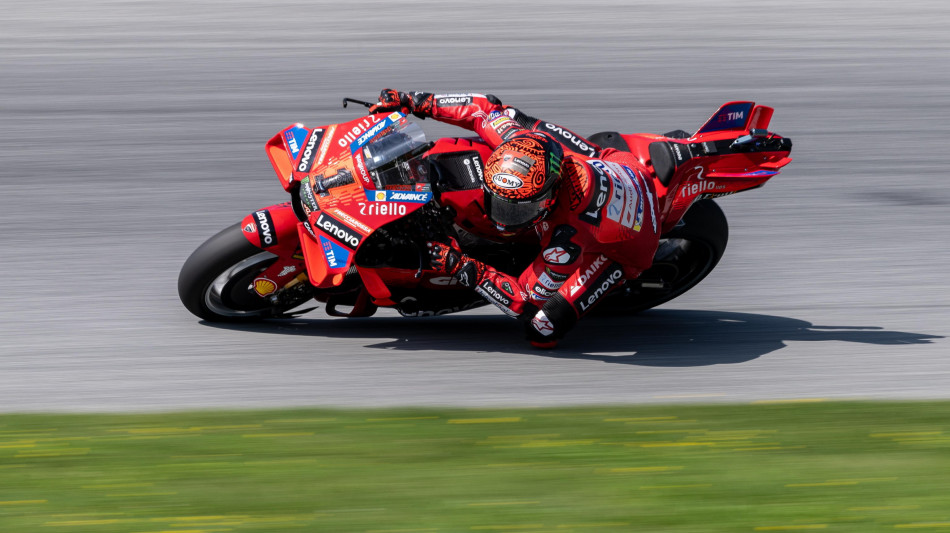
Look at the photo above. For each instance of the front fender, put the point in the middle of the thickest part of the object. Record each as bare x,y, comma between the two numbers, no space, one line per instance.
273,228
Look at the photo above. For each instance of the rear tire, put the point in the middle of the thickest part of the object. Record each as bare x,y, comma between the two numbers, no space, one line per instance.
686,255
214,281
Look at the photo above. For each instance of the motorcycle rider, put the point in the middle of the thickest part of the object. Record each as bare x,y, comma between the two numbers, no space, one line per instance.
595,212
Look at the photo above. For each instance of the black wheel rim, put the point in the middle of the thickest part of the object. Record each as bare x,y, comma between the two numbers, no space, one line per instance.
679,265
229,295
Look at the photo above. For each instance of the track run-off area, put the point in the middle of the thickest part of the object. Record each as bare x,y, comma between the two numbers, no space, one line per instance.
132,132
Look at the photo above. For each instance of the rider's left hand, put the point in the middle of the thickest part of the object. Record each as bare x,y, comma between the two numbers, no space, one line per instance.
445,257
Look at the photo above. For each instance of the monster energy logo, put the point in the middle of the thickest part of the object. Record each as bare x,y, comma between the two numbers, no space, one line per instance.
554,163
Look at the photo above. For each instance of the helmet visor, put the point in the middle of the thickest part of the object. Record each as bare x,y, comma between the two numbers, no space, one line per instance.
516,214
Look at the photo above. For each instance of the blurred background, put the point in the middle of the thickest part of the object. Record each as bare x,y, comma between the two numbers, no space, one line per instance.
131,131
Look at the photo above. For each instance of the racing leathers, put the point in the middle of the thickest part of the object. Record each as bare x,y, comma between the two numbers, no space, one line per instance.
602,230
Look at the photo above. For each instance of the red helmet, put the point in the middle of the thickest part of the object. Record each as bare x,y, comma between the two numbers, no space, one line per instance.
521,178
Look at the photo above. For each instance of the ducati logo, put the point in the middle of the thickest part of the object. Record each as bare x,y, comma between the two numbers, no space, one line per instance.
250,228
556,256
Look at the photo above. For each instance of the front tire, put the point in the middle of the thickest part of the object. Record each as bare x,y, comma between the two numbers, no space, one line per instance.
686,255
214,281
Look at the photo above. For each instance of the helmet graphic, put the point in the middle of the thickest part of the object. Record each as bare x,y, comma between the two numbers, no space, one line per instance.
521,178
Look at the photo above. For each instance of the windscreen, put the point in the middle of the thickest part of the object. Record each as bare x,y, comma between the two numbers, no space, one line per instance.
393,157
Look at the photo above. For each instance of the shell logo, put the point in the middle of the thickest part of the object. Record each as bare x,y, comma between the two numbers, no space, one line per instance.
380,196
264,286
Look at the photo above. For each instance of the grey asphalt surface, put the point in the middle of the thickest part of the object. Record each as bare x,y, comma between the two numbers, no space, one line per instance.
132,131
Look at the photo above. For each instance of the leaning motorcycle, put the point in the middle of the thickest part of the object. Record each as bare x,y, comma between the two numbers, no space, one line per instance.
366,195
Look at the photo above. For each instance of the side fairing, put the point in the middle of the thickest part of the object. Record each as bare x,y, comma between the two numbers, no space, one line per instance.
274,229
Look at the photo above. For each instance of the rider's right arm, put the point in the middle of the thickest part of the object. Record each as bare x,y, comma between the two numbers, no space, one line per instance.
493,122
496,123
480,113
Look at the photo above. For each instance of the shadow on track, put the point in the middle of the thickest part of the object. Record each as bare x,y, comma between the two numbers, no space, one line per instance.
666,338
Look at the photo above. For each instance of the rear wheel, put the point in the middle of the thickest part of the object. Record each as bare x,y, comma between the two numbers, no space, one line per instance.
686,255
214,283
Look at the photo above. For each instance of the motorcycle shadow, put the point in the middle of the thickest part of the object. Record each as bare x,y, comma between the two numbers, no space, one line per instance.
661,338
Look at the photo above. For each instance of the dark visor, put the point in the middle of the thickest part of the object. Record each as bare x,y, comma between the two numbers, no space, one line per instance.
514,214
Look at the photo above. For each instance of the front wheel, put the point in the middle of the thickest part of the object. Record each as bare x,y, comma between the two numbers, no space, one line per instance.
686,255
214,283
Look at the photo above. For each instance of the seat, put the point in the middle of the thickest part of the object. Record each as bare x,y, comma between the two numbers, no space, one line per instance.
664,162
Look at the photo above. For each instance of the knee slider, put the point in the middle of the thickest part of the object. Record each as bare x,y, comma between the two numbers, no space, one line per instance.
555,319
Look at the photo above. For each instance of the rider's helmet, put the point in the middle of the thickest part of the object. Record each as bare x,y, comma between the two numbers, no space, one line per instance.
521,180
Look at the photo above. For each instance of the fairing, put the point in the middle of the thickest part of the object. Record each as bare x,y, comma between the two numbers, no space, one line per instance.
352,179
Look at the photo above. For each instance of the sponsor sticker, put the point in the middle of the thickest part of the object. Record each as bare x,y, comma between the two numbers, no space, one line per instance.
409,300
507,181
617,200
589,273
548,283
289,269
336,255
453,100
383,208
348,136
325,145
295,137
306,196
569,139
264,286
345,217
598,196
493,294
556,276
265,228
309,152
600,286
473,166
361,168
633,211
414,197
373,131
540,294
338,230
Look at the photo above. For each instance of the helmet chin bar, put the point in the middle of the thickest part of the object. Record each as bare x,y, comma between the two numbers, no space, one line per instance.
515,215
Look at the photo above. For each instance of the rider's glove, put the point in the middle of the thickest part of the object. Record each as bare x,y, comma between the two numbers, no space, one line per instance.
417,103
392,100
448,258
445,257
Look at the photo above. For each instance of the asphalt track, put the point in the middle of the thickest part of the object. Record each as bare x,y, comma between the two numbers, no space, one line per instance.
132,131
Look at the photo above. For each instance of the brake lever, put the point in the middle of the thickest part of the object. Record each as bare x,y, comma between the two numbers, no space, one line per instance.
355,101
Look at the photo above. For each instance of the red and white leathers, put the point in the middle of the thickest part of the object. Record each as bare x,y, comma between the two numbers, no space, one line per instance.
603,229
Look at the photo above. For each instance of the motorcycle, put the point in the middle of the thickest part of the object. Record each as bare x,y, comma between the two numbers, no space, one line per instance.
366,195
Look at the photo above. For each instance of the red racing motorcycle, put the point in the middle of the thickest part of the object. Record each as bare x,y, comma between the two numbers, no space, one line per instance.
366,196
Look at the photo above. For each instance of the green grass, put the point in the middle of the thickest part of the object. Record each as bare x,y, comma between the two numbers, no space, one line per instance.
849,466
